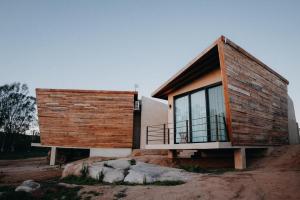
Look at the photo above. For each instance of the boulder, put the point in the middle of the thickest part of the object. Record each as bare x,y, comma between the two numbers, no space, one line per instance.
72,169
172,176
95,171
136,177
28,186
118,164
113,171
23,189
113,175
148,173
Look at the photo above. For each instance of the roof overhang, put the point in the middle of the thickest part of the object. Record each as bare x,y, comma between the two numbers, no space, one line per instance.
203,63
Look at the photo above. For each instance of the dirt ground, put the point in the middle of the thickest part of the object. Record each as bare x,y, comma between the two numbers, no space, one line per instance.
13,172
276,176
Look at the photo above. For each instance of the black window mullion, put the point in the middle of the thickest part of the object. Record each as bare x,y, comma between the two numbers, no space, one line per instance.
174,120
207,115
190,120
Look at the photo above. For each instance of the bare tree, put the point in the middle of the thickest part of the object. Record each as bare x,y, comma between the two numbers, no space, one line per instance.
17,112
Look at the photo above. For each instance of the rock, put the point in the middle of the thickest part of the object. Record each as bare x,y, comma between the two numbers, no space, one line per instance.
23,189
28,186
112,171
31,183
72,169
136,177
113,176
172,176
148,173
94,172
67,185
118,164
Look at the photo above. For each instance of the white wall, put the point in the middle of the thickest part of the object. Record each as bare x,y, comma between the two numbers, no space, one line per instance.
153,113
110,152
293,127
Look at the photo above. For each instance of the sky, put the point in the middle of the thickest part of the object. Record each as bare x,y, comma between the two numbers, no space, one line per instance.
113,45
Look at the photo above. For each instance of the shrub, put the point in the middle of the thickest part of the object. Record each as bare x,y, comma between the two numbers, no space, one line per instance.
85,170
100,177
79,180
132,162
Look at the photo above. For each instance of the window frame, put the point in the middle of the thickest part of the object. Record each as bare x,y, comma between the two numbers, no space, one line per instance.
189,93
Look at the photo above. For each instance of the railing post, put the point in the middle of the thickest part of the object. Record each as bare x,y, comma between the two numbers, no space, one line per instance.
225,128
187,130
168,135
164,133
217,128
147,135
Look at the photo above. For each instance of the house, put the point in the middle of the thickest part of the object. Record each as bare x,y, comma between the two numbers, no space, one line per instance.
224,99
107,123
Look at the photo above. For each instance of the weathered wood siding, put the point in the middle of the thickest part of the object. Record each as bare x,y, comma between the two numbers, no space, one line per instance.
258,101
82,118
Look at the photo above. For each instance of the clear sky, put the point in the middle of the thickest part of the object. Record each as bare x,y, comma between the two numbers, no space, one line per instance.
112,45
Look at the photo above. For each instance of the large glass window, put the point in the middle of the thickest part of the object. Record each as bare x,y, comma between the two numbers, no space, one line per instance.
181,119
198,112
199,116
216,113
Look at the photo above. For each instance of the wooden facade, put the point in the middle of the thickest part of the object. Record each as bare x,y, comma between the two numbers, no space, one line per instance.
255,96
84,118
257,99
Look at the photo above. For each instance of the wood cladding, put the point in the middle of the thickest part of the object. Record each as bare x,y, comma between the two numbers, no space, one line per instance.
257,100
86,118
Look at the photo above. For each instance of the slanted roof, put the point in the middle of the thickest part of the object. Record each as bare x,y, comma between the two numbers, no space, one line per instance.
204,62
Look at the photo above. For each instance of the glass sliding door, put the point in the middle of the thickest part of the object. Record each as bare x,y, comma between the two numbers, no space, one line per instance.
217,113
199,118
181,118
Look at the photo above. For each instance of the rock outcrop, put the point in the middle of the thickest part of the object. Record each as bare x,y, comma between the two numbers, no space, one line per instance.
125,170
28,186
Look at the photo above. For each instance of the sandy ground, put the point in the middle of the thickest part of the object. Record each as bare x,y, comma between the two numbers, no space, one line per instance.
276,176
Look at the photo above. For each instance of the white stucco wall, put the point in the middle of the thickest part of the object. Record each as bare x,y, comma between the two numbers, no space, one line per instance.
293,127
153,112
110,152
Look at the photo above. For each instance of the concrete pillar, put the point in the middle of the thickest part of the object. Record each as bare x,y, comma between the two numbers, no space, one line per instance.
240,158
53,156
172,153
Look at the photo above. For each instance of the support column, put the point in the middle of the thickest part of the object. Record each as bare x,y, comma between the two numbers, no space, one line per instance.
240,158
172,153
53,156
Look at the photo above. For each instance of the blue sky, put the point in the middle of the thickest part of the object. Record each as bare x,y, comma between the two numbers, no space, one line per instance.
112,45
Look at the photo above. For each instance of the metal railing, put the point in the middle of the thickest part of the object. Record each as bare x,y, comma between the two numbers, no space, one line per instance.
199,130
158,134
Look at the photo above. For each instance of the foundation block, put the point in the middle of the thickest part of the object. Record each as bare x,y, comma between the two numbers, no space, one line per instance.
240,158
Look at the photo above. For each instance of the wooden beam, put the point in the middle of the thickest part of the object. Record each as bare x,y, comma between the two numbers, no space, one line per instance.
225,86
